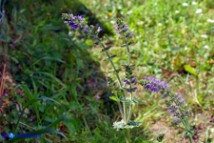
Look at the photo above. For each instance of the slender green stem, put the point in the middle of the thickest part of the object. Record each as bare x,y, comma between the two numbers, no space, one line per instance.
129,112
190,139
130,105
130,94
125,113
129,58
128,138
115,70
119,80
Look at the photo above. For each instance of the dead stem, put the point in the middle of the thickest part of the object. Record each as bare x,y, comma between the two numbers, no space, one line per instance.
2,80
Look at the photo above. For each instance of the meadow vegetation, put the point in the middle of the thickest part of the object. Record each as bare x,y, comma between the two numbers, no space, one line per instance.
56,80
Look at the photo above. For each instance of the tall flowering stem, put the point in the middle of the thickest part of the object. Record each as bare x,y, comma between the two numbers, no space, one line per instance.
126,106
125,37
124,34
176,105
125,103
80,25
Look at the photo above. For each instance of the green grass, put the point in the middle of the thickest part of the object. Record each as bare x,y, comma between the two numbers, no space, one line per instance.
54,70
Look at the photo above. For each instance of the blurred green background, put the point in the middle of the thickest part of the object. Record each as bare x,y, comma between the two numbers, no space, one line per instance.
57,81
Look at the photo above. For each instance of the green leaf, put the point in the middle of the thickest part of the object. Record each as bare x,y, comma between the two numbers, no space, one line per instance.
122,125
89,42
49,99
115,98
190,69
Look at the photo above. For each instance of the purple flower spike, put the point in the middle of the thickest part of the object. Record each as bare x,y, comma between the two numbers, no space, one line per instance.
75,22
176,108
175,102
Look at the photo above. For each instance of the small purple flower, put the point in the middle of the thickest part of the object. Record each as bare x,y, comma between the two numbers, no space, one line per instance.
154,84
116,26
66,22
131,89
180,99
126,28
172,108
152,88
122,29
80,26
129,35
126,82
99,29
72,17
73,25
134,80
80,18
131,80
86,30
177,121
97,97
75,22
